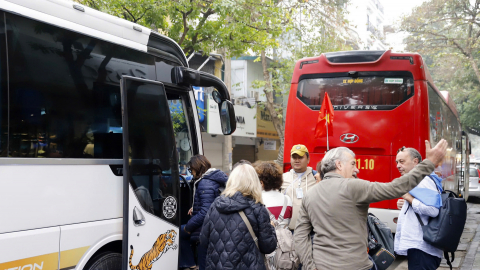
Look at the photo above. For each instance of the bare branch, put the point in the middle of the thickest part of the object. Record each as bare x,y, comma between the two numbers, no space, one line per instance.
128,11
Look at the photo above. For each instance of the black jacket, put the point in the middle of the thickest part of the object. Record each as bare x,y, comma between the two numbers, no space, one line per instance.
206,190
226,237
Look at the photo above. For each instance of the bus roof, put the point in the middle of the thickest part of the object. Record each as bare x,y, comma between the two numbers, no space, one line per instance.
347,61
79,18
360,61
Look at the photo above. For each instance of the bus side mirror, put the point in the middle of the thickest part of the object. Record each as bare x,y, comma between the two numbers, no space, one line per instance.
227,117
192,77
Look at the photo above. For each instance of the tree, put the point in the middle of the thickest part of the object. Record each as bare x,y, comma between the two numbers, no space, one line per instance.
203,25
447,33
450,73
311,27
451,26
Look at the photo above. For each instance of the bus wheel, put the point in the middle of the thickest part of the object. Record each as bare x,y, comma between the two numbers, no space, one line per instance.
106,261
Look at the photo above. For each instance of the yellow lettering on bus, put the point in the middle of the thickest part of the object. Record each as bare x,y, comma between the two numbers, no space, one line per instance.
368,164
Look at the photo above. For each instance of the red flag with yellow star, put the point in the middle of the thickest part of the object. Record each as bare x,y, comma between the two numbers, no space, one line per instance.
325,119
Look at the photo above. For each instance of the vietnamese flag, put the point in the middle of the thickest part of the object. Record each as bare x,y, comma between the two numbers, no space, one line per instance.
325,118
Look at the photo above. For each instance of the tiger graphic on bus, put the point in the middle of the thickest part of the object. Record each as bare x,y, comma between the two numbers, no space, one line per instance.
163,243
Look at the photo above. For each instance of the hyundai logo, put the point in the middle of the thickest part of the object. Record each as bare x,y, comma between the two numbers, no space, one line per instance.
349,138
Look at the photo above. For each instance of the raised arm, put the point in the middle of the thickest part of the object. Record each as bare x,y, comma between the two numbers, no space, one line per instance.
368,192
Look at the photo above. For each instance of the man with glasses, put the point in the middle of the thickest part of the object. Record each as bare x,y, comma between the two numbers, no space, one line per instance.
423,202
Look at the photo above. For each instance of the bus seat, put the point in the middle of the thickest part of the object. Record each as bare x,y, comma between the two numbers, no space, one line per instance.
143,196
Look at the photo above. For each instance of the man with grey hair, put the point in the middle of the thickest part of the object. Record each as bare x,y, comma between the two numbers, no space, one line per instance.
337,207
424,201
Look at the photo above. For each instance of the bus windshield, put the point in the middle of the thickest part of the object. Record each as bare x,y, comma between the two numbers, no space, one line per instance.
382,90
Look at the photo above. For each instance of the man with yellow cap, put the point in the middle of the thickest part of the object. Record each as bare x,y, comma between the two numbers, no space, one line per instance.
298,180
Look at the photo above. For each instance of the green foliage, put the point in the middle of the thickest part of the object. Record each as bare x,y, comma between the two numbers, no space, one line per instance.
451,73
178,121
314,27
203,25
446,34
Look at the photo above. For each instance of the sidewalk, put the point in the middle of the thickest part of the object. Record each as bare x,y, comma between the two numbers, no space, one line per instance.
470,241
467,256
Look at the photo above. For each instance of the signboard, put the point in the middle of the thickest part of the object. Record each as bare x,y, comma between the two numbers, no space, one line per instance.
265,128
199,93
270,145
246,121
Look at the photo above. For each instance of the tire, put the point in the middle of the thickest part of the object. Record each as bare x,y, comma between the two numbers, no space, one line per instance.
105,261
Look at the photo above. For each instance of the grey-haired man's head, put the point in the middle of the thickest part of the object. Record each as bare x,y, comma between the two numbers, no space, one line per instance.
407,159
340,160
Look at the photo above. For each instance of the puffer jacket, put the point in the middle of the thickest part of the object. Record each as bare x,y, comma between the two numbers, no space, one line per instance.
227,239
206,190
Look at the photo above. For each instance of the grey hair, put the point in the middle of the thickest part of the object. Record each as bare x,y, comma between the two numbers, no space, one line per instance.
328,162
414,154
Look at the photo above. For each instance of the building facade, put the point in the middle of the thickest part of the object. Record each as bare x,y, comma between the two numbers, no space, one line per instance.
368,17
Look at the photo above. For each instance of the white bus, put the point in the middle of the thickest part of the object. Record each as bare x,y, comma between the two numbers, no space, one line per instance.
93,110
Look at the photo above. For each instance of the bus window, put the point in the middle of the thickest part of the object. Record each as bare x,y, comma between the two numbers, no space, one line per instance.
181,129
368,89
65,93
3,91
442,120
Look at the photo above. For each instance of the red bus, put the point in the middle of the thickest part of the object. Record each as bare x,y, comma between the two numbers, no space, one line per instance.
382,101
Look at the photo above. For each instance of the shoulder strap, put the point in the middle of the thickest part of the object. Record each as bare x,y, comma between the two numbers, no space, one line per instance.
418,217
435,183
445,254
272,216
284,209
245,219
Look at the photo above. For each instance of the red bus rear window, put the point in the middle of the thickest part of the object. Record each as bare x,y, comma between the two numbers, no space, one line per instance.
366,91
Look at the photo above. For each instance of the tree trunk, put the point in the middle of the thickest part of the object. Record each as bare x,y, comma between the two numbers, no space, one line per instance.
475,67
270,95
227,139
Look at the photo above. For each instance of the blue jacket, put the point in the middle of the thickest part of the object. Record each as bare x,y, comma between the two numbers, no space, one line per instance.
206,190
227,239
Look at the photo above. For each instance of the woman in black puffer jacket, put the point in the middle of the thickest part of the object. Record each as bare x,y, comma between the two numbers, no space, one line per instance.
208,182
224,234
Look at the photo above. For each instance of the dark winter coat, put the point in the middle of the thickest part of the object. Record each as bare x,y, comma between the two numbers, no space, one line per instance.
206,190
227,239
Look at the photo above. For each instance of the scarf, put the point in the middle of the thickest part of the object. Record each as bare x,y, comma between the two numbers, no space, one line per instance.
427,196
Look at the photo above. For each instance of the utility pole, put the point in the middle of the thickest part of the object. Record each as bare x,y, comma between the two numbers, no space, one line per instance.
227,142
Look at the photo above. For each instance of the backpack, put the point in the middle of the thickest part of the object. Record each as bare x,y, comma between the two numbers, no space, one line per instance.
284,256
380,242
444,231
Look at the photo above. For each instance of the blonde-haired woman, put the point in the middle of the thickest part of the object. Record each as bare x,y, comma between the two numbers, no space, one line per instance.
226,237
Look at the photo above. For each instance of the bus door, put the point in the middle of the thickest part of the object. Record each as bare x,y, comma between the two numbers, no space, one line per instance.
151,177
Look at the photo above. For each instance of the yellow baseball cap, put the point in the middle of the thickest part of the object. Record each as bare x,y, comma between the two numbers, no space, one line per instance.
299,149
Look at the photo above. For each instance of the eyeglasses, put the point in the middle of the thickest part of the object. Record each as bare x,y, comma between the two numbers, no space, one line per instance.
401,149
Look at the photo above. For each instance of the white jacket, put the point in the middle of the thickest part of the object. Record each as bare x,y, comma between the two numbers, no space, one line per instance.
289,189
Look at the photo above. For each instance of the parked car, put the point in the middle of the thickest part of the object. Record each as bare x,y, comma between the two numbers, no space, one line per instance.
474,185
